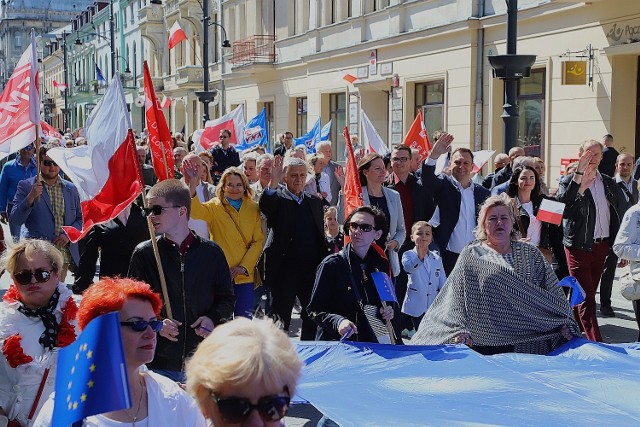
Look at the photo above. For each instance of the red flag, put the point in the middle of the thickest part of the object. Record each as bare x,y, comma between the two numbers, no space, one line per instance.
233,122
350,78
159,135
352,190
417,137
106,172
48,130
176,35
166,102
60,86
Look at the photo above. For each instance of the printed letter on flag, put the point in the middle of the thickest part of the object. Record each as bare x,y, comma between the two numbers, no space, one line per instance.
418,138
176,35
233,122
310,138
371,137
159,135
255,133
106,172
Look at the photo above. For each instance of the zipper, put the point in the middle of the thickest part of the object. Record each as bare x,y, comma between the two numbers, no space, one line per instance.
184,307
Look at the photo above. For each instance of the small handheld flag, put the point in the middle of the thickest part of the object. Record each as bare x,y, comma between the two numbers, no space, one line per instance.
578,294
91,377
99,76
384,286
550,211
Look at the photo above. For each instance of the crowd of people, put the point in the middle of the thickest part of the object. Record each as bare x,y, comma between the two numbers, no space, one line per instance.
248,235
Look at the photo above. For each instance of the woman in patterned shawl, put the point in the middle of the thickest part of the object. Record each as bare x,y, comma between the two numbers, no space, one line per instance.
502,296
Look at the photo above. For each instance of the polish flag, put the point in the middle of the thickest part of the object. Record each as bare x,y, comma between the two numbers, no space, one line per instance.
176,35
60,86
166,102
350,78
106,172
233,121
50,131
370,136
20,104
550,211
417,137
159,135
480,158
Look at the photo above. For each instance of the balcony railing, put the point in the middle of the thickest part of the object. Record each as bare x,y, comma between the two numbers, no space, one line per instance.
258,49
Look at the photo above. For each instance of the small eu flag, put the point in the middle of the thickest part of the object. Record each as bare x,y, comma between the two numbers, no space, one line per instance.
91,377
99,76
384,286
577,293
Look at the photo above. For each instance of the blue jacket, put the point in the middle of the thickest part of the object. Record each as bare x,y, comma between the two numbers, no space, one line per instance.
38,219
12,173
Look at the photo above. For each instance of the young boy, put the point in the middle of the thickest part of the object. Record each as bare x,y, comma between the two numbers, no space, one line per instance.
426,273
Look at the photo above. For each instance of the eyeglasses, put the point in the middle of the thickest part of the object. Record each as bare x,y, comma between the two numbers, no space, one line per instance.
49,163
400,159
354,226
157,209
237,409
223,136
141,325
24,277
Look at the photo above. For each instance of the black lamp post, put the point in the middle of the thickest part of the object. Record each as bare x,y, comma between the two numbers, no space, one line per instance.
113,38
65,111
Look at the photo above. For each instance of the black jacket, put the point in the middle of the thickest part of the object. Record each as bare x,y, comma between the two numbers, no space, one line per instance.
333,298
224,159
607,165
198,284
114,242
423,204
579,218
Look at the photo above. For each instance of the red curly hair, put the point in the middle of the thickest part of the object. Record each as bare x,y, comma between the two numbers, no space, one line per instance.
110,293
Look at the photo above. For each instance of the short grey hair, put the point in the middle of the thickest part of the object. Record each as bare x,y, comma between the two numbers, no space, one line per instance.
263,158
294,161
321,144
250,156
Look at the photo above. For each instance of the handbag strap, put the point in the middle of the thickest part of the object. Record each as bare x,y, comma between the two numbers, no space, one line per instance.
244,239
32,412
517,215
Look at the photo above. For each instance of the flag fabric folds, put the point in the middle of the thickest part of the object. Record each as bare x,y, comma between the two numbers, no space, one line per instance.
370,136
315,135
166,102
91,377
578,294
233,122
255,133
176,35
99,77
48,130
106,171
418,138
160,143
480,158
60,86
20,100
352,190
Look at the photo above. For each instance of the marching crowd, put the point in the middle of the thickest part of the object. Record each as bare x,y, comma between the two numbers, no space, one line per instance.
253,234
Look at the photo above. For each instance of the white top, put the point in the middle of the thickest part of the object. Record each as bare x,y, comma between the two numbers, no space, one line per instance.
168,405
602,208
535,226
463,231
426,278
198,225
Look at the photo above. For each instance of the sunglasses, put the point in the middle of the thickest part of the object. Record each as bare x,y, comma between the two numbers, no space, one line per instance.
49,163
28,147
24,277
237,409
157,209
141,325
223,136
354,226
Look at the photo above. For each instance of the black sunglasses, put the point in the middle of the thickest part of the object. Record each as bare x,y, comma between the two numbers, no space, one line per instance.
354,226
28,147
237,409
157,209
24,277
49,163
141,325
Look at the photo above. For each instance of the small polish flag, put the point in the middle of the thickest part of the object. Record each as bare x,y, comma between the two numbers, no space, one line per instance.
350,78
550,211
60,86
371,137
480,158
166,102
176,35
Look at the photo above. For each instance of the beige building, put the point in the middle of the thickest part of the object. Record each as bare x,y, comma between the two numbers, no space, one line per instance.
424,54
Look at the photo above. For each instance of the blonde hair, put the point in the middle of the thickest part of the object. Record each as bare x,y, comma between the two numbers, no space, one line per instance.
26,248
248,192
240,352
494,202
419,224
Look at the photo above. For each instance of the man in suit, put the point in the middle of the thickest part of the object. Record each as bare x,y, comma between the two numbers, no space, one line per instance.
285,144
629,187
499,162
298,244
457,198
607,165
45,203
324,148
504,174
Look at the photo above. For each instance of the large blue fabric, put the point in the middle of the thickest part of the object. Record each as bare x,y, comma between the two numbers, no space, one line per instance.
362,384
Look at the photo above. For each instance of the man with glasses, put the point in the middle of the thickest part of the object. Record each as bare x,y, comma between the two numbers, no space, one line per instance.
14,171
46,204
197,277
287,143
224,156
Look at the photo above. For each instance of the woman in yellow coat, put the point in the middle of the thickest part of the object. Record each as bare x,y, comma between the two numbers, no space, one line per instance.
234,223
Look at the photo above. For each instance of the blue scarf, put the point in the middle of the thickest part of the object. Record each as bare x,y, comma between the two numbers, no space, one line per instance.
235,203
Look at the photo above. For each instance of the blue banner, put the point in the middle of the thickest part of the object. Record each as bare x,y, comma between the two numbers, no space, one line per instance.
255,133
91,375
310,138
99,76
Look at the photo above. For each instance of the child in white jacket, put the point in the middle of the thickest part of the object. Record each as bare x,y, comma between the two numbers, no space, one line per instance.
426,273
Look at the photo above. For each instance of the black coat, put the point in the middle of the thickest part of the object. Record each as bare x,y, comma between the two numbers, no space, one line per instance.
607,165
114,242
423,204
198,284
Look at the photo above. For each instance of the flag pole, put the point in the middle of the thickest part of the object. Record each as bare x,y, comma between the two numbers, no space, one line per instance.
392,334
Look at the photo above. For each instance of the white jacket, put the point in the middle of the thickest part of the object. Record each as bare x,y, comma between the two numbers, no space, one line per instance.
627,243
426,278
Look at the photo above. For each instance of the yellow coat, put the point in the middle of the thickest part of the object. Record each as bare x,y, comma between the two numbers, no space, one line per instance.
220,218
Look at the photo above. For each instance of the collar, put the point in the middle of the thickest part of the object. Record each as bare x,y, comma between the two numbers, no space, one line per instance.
188,241
58,181
298,199
459,185
396,179
619,179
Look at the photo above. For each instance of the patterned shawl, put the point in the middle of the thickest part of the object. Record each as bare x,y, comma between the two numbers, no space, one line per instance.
497,304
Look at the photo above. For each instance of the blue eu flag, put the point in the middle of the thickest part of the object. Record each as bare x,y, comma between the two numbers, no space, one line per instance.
384,286
99,76
91,377
578,294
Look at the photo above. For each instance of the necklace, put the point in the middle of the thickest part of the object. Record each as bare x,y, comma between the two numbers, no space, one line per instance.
135,417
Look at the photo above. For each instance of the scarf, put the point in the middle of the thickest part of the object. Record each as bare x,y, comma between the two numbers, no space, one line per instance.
49,337
236,204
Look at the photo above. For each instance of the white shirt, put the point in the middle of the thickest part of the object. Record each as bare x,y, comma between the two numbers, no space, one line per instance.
603,217
198,225
463,231
535,226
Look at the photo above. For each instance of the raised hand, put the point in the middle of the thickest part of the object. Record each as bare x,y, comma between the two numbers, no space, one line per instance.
277,173
339,173
441,146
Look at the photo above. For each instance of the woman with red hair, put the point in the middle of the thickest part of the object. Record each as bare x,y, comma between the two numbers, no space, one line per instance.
157,401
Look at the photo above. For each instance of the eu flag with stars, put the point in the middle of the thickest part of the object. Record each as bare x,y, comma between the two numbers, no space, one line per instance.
91,376
384,286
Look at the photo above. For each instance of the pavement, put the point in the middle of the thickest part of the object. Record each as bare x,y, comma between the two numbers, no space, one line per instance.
619,329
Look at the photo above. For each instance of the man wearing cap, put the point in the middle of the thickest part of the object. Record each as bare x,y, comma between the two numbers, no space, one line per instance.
22,167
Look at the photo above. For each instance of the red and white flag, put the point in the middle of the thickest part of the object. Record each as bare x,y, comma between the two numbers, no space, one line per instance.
176,35
166,102
106,172
350,78
370,136
60,86
550,211
480,158
20,104
50,131
233,122
418,138
159,135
